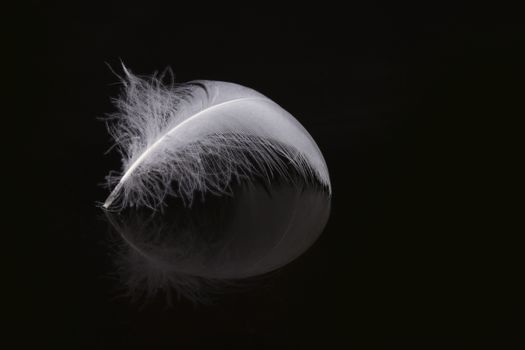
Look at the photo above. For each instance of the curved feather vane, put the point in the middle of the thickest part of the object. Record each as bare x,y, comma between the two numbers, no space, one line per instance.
202,135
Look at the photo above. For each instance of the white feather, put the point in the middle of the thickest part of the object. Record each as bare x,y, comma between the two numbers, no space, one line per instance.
202,135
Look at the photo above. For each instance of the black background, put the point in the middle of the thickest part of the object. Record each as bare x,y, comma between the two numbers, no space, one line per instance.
411,106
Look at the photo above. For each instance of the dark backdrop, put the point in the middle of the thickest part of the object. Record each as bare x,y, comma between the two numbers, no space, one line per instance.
411,107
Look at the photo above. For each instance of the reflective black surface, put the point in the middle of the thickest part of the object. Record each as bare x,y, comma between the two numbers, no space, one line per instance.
415,108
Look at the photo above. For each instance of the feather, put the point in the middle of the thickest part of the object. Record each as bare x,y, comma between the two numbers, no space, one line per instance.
201,135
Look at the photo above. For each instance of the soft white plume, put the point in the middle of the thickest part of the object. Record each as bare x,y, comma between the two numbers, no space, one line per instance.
178,139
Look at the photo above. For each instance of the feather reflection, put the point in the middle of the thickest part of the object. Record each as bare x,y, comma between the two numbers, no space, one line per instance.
219,242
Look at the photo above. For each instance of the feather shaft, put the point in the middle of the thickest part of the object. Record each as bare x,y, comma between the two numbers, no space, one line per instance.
113,195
